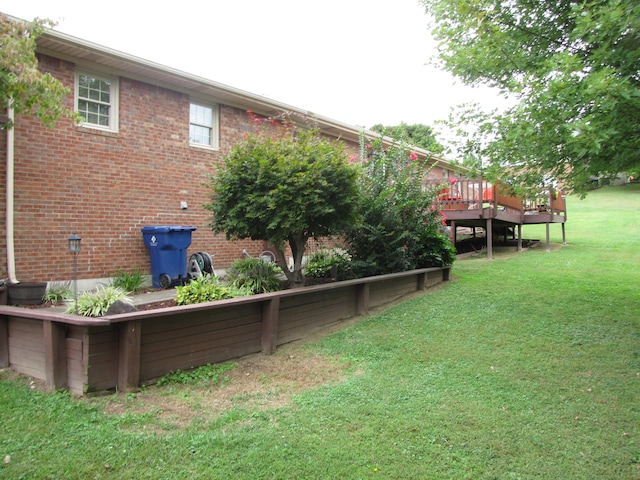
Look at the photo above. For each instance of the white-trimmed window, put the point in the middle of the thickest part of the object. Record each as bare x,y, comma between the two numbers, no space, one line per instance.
203,125
97,100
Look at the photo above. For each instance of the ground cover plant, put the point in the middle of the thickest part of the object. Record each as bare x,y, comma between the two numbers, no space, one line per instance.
526,366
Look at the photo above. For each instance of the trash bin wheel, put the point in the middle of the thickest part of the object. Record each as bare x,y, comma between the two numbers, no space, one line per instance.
165,280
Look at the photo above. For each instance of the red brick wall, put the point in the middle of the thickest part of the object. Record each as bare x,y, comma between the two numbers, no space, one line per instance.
106,186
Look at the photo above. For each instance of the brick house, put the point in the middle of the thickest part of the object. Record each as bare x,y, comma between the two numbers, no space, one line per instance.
152,138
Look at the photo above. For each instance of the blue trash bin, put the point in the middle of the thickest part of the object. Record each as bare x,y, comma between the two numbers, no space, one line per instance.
167,245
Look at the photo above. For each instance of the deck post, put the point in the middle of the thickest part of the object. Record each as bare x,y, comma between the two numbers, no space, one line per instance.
489,238
564,238
519,237
129,334
55,354
548,241
270,317
4,341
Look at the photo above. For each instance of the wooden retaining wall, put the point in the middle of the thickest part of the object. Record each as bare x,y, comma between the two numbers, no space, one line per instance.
124,351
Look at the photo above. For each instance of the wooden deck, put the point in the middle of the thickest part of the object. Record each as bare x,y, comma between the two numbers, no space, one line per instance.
477,203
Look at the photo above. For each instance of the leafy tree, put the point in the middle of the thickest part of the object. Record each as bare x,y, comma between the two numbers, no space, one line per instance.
285,188
400,228
573,71
417,135
22,85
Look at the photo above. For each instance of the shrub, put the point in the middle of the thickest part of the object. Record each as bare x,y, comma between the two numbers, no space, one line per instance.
129,282
202,289
255,276
329,262
400,230
58,292
96,303
438,251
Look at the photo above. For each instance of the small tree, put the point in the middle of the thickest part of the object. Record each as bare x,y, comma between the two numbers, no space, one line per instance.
22,86
285,188
400,228
572,69
417,135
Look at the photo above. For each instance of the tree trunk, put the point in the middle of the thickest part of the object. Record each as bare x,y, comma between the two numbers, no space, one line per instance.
295,276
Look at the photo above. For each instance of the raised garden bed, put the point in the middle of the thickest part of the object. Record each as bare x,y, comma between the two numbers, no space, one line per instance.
123,351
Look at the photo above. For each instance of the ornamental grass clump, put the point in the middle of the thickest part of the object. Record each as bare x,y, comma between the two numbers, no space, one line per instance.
254,275
96,303
129,281
58,292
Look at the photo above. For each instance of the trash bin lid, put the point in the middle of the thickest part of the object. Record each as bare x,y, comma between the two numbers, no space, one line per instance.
166,228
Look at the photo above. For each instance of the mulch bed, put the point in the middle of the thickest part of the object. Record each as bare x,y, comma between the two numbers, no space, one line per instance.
165,303
156,305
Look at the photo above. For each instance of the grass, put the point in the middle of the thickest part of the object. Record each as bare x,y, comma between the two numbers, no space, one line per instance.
526,366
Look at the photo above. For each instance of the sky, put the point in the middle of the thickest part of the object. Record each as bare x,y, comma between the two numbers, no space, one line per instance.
361,62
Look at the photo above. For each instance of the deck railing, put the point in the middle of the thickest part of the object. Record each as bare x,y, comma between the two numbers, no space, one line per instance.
476,194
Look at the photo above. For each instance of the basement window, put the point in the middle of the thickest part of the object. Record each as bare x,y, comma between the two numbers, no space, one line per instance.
97,101
203,125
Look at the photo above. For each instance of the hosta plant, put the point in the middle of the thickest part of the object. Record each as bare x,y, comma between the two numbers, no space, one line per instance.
202,289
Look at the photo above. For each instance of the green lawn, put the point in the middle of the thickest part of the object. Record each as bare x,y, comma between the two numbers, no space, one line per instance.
525,366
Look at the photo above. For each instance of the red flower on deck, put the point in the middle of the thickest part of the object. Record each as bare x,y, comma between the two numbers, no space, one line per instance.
413,156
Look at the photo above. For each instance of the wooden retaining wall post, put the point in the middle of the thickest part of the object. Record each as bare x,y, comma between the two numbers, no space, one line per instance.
129,334
55,354
422,281
270,316
4,341
362,298
446,272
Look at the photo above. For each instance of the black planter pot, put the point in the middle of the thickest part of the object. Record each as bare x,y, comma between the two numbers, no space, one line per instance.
26,293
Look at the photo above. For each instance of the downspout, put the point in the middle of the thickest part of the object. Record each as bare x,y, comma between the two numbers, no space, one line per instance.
11,259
